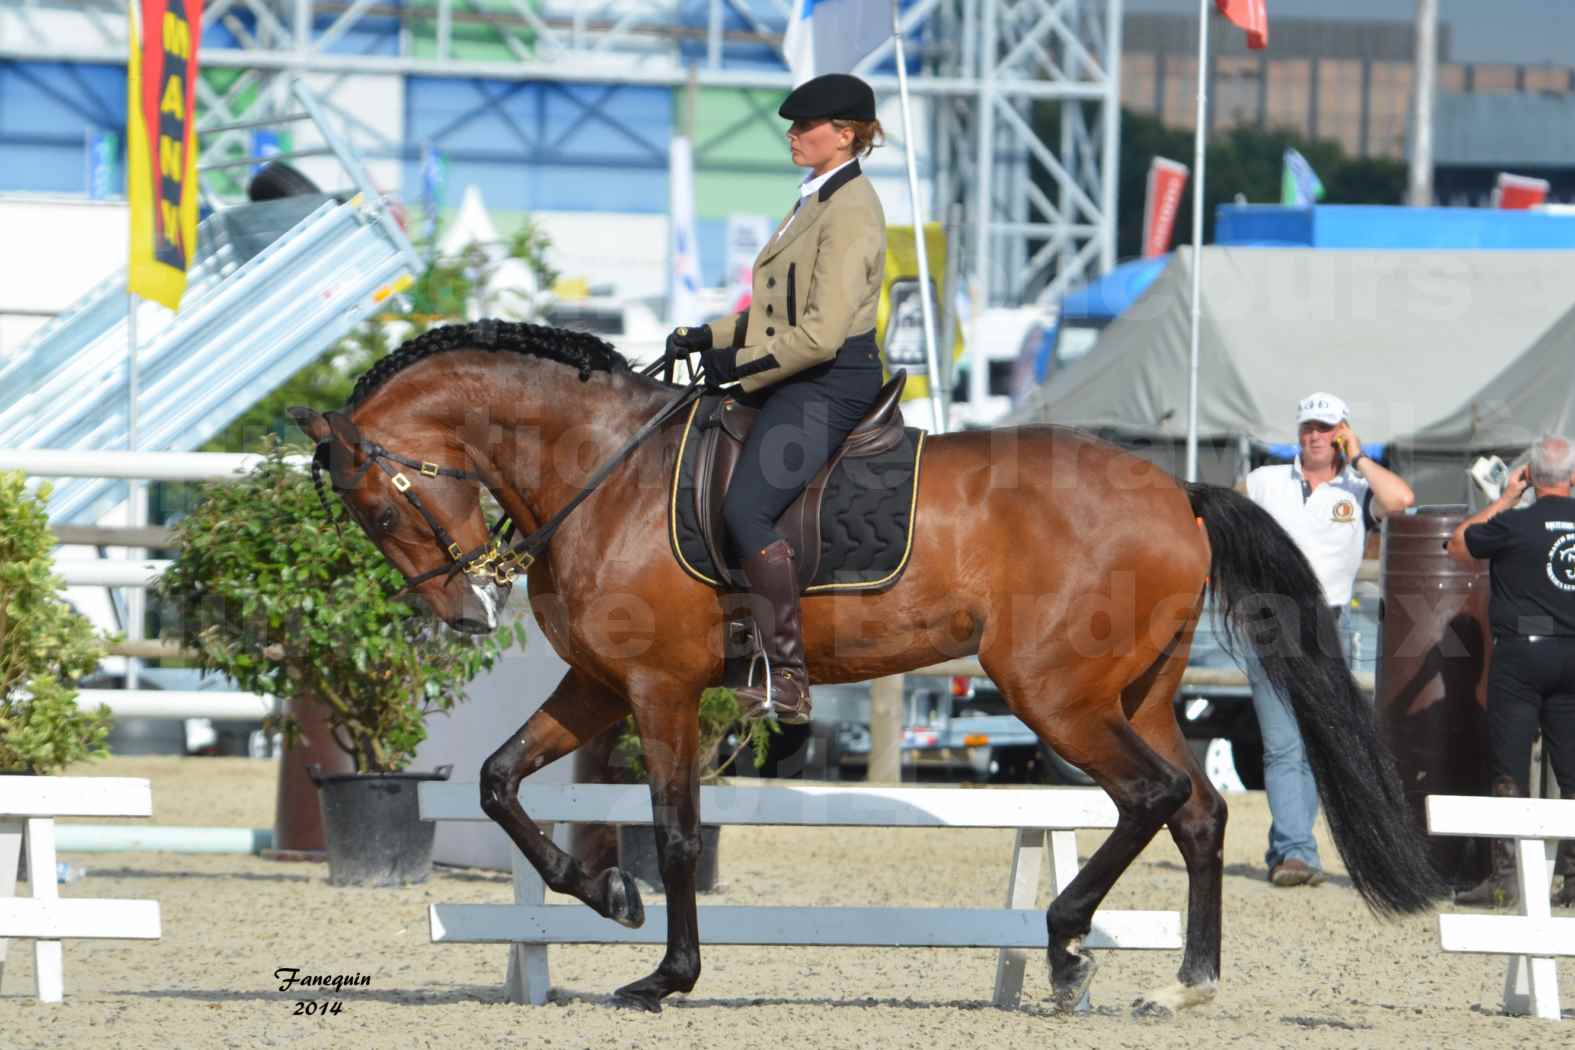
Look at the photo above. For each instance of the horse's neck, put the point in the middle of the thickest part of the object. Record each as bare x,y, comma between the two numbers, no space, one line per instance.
575,428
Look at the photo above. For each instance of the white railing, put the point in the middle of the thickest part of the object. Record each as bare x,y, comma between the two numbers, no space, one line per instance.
28,808
530,925
1533,937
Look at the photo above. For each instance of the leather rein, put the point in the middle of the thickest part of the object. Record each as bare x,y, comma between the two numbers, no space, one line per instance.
497,559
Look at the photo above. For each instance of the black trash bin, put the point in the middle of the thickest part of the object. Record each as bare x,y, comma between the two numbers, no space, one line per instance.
1432,673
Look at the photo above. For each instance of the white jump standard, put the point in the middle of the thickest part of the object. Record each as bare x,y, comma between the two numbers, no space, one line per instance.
28,808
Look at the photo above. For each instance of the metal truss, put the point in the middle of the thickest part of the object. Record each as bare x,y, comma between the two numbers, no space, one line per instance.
1024,94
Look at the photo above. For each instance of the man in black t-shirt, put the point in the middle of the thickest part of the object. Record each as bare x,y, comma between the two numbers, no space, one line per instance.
1531,555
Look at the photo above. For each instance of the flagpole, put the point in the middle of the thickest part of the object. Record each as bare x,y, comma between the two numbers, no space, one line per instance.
921,252
1197,238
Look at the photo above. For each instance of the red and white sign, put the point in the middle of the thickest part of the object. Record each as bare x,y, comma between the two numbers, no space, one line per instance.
1166,180
1519,192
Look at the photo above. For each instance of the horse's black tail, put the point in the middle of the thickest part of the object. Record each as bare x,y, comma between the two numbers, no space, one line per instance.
1266,593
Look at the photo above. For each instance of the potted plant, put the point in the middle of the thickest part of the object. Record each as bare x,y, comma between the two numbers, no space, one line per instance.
719,716
269,592
45,646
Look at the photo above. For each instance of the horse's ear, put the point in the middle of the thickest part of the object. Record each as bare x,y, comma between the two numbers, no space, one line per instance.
311,422
342,428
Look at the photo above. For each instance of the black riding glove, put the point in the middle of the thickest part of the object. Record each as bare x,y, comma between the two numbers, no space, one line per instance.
682,342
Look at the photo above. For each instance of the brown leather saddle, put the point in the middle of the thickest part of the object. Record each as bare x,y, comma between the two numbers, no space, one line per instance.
722,439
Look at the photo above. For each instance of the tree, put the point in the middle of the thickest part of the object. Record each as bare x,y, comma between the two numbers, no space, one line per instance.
45,645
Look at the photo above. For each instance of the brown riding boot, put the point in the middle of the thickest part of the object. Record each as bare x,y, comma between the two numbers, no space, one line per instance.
773,576
1564,864
1501,889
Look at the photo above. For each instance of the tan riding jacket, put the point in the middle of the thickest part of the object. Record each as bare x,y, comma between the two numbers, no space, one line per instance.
814,286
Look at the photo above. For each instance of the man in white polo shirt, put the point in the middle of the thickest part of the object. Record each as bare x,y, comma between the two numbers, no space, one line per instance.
1327,500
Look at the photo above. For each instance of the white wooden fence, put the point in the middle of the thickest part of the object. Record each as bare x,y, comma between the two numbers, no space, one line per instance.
530,925
28,808
1533,937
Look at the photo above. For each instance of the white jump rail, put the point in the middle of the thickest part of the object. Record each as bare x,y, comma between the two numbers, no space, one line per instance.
1534,937
530,925
28,808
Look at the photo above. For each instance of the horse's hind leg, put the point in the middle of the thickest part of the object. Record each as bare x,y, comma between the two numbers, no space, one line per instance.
1198,828
1094,736
579,709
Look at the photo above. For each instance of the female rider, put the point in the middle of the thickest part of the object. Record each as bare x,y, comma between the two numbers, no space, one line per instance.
804,353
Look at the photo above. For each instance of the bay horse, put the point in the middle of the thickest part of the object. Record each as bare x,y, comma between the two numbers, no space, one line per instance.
1077,572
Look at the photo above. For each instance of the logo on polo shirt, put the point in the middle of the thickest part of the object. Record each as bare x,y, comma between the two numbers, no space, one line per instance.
1561,563
1344,512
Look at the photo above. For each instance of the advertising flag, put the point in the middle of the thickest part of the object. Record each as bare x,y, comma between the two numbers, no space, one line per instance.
161,146
1166,180
684,288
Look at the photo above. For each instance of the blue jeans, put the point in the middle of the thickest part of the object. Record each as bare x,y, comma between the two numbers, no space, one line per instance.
1287,778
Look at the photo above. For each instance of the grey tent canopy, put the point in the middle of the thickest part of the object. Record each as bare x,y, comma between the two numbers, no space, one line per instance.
1442,350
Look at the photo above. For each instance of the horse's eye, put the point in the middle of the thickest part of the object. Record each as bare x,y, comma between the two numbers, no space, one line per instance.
385,520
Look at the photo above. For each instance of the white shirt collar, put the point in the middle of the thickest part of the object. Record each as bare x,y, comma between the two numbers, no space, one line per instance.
813,183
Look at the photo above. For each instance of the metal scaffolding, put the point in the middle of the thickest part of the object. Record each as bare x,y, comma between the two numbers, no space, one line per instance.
1023,95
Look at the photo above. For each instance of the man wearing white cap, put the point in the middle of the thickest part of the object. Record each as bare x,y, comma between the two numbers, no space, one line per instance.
1327,500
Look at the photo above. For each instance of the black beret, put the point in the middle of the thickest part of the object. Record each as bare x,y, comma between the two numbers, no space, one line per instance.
828,96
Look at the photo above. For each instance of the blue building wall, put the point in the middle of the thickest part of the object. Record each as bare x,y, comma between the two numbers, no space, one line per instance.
47,112
543,146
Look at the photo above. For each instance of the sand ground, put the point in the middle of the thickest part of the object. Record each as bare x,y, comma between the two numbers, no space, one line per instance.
1303,968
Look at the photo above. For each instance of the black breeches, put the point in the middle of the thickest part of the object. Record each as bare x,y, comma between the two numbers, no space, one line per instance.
1531,687
802,421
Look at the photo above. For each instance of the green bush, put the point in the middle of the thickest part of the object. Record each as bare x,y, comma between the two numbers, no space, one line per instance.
719,712
269,592
45,645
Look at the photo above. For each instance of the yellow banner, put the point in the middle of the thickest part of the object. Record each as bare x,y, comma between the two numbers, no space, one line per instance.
899,324
161,146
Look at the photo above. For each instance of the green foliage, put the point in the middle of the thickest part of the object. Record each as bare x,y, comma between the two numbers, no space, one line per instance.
45,645
719,712
1243,160
269,592
440,295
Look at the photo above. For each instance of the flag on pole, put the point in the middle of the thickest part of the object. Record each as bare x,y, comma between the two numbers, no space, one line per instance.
1166,180
1251,15
682,307
1300,186
161,146
832,36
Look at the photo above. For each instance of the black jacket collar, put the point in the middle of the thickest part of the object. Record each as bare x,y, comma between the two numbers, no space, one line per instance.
837,181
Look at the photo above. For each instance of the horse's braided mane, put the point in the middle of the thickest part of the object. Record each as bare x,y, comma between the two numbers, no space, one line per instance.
579,350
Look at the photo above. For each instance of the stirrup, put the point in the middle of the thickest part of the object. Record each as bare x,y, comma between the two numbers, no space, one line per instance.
760,657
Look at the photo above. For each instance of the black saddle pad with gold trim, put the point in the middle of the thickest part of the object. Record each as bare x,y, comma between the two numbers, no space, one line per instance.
866,518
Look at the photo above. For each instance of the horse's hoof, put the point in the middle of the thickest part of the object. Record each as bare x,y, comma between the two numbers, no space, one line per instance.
1068,987
1152,1009
632,995
1168,1001
623,899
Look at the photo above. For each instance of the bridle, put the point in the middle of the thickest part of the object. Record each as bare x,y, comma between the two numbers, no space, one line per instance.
497,559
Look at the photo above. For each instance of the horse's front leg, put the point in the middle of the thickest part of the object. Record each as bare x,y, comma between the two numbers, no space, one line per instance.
578,710
670,733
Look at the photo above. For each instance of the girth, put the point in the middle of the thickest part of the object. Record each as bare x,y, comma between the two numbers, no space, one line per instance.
723,427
